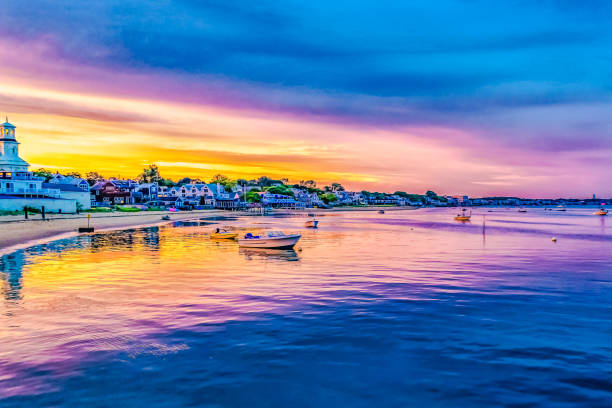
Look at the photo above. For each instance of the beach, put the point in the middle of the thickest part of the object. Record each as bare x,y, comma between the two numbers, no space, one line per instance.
15,231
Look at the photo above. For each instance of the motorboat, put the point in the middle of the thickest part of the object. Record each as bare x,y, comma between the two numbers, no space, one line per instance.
561,208
223,234
463,216
312,224
602,211
381,211
522,210
166,218
273,239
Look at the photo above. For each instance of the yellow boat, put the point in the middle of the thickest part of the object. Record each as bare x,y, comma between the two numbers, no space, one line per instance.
463,216
223,234
602,211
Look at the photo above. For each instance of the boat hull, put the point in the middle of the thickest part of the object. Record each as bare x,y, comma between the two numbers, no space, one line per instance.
312,224
462,218
226,235
285,242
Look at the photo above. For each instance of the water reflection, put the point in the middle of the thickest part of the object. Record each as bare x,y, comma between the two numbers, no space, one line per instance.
11,266
402,310
273,254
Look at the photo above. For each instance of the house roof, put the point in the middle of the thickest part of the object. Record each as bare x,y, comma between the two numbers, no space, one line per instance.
63,187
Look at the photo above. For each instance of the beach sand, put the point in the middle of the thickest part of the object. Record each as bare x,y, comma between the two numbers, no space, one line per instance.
15,232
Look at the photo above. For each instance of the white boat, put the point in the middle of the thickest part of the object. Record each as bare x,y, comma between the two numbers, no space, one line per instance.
273,239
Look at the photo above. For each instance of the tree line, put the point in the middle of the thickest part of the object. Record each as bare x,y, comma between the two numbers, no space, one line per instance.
151,174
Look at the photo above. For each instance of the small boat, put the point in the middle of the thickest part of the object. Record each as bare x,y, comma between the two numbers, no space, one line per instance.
273,239
312,224
463,215
223,234
166,218
602,211
522,210
381,211
561,208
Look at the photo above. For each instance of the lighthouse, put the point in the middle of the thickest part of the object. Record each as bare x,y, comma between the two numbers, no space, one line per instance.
10,162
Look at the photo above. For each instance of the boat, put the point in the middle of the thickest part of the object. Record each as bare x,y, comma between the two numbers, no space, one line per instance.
561,208
312,224
463,215
166,218
273,239
223,234
381,211
602,211
522,210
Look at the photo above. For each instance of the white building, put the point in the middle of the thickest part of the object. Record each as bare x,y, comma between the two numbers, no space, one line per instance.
19,188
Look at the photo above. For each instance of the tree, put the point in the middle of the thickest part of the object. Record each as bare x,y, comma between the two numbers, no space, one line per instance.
184,180
227,183
337,187
280,190
47,174
253,197
328,198
311,183
74,174
263,181
150,175
93,177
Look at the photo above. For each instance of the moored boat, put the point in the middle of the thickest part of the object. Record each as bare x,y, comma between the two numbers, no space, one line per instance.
312,224
602,211
381,211
463,216
273,239
223,234
522,210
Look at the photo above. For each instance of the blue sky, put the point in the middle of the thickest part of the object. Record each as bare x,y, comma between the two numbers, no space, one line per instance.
525,74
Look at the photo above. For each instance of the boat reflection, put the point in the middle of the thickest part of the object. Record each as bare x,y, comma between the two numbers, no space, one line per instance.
268,253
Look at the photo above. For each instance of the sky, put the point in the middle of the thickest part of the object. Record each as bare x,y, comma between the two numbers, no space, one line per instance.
462,97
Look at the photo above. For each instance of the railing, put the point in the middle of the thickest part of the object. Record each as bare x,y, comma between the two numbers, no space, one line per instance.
27,191
20,176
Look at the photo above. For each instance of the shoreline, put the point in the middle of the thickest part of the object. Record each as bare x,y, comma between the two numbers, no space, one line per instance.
17,234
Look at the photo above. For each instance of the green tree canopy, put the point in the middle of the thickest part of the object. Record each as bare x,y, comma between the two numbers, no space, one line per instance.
150,174
227,183
43,173
93,177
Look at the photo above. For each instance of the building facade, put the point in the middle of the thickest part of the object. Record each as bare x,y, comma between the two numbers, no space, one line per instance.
19,187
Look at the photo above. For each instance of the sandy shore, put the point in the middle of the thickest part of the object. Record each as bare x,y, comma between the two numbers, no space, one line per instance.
15,232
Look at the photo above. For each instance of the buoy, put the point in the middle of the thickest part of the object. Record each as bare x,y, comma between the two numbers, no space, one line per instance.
554,239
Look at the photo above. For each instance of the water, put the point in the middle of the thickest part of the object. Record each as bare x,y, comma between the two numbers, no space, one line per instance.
406,308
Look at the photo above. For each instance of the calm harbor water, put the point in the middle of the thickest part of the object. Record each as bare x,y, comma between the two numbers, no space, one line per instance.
406,308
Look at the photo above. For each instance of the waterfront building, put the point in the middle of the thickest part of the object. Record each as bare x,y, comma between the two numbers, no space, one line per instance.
146,192
19,187
79,182
106,193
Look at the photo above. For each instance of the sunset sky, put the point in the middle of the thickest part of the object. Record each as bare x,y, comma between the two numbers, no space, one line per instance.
462,97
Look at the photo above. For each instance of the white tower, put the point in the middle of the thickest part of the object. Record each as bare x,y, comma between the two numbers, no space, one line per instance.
10,162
